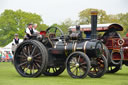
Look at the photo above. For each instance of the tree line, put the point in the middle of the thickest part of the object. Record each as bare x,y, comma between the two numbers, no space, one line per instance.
12,22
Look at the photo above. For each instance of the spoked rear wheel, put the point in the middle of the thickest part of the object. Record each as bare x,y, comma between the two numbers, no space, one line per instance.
98,67
113,68
106,53
30,58
78,65
54,71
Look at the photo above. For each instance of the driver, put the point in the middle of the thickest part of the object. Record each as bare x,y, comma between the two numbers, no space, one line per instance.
29,30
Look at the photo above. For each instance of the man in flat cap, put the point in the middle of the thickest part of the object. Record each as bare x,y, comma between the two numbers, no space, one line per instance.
29,30
16,39
15,42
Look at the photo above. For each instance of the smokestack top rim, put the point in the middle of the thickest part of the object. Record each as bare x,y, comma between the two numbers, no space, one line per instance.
94,12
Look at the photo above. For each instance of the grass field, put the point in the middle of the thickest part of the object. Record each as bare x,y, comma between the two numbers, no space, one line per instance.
9,76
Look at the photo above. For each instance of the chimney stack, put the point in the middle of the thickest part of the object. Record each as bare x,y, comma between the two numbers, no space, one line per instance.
94,24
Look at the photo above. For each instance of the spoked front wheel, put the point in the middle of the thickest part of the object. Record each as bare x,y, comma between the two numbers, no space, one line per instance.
78,65
30,58
98,67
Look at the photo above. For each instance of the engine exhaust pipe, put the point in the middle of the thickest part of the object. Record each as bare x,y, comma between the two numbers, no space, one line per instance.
94,24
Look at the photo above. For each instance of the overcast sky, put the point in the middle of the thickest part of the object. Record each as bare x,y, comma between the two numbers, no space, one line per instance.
56,11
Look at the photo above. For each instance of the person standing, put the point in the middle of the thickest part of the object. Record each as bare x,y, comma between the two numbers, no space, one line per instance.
10,57
15,43
16,39
6,57
3,57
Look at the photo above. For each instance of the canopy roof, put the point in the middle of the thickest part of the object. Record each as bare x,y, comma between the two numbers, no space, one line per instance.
100,27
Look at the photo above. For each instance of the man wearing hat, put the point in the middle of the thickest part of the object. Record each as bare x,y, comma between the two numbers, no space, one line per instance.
15,42
29,30
16,39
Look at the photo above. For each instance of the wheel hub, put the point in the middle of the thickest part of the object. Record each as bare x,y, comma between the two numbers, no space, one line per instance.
77,65
29,58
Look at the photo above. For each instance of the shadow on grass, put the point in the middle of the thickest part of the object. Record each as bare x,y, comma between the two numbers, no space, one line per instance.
43,76
117,74
62,76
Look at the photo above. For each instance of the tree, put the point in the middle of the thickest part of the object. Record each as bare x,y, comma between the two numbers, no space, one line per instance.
85,18
42,27
12,22
64,25
123,20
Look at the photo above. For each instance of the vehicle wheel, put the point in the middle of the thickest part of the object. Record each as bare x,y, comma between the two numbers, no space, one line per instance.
113,68
98,67
78,65
30,58
106,53
54,71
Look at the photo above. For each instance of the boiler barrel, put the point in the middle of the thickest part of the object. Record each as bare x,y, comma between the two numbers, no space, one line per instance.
92,49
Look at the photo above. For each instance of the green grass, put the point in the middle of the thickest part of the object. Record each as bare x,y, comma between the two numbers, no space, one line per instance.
9,76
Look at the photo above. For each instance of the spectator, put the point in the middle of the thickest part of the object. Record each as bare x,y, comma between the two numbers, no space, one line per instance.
3,58
10,56
7,57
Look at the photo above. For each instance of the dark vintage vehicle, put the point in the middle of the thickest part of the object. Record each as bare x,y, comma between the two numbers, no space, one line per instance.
115,46
51,51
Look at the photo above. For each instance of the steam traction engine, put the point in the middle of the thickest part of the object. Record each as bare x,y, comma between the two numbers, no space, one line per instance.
51,52
118,49
115,47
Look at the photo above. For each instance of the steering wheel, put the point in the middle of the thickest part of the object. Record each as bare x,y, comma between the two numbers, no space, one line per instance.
55,30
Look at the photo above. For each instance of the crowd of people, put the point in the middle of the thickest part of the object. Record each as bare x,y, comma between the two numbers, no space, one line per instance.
6,57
